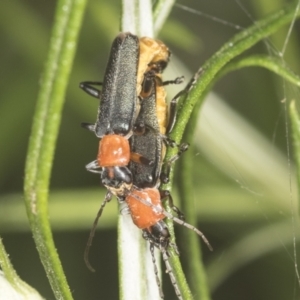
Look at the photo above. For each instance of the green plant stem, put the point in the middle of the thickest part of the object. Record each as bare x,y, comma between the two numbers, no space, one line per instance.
238,44
295,124
7,268
190,242
162,10
262,8
273,64
43,137
195,269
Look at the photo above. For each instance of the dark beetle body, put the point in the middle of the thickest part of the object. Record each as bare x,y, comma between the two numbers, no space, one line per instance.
149,145
131,124
118,105
146,181
144,200
131,61
118,109
146,177
153,117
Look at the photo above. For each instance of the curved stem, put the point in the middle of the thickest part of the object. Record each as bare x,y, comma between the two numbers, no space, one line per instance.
192,254
295,124
275,65
43,137
238,44
234,47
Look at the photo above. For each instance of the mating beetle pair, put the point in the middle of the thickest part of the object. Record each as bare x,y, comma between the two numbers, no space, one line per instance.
121,97
132,123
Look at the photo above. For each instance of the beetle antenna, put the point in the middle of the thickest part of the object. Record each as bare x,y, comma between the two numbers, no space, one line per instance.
107,198
189,226
169,270
161,294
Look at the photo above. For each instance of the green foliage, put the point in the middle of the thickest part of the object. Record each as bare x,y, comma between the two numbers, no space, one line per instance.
244,192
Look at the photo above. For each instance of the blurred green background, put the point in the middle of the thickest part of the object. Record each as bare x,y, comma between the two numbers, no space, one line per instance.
244,186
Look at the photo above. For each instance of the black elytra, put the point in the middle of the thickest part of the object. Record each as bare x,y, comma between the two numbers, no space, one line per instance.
118,105
149,144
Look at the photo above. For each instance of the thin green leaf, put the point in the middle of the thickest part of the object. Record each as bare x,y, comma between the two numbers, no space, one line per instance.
192,255
238,44
273,64
295,124
281,39
44,134
234,47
